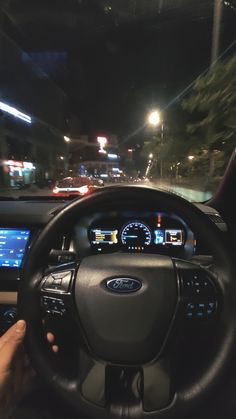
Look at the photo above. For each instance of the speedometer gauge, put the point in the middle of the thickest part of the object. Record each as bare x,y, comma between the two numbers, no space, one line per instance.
135,235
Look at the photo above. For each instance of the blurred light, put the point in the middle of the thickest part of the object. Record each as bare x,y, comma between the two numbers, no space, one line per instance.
150,156
61,157
130,150
13,111
67,139
14,163
28,165
84,190
154,118
190,157
116,169
112,156
55,190
178,163
102,141
104,175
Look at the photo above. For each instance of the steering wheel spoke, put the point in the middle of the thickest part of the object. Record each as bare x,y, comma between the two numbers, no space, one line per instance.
148,387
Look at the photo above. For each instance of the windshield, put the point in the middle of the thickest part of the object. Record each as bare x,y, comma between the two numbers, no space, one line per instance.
118,91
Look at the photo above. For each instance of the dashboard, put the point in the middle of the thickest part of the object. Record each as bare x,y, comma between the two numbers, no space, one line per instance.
139,232
157,232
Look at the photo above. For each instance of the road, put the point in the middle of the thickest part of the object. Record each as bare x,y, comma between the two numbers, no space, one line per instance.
190,194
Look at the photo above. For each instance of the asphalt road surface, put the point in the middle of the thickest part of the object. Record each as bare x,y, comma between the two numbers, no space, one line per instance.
190,193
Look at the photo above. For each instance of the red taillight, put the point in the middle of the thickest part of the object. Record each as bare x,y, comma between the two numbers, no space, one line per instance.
55,190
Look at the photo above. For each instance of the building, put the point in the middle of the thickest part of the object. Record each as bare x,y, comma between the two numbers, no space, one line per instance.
87,159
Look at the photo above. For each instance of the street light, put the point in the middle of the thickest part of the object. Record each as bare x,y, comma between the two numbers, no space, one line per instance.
67,139
191,157
150,156
154,118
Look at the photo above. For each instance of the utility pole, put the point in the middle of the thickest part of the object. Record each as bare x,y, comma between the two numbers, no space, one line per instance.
217,16
215,48
162,142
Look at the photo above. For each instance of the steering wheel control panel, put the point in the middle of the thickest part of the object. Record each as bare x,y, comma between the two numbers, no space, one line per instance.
200,297
156,232
58,281
53,305
54,288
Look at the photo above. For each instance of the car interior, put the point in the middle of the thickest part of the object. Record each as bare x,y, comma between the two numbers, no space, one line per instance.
136,283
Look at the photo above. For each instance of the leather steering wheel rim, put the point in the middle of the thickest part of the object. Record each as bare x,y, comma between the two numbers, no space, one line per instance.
209,381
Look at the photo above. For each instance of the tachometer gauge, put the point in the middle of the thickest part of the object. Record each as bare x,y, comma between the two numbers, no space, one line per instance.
136,235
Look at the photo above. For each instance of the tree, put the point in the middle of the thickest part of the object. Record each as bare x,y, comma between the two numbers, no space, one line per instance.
213,106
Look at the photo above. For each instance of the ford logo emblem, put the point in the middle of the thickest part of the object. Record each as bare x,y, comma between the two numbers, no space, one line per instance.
123,285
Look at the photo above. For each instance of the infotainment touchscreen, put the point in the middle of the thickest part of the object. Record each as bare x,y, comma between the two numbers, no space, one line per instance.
13,243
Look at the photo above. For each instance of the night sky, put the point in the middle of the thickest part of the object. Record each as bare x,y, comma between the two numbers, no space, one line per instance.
113,70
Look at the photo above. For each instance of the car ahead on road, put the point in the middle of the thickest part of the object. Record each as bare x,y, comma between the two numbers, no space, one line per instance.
79,186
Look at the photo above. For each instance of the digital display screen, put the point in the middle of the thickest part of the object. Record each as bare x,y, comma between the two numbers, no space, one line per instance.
171,237
174,237
104,236
13,243
159,236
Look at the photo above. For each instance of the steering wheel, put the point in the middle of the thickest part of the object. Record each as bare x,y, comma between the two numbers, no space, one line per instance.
128,312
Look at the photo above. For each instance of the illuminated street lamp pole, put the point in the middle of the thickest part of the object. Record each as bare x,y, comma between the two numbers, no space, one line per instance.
66,160
154,119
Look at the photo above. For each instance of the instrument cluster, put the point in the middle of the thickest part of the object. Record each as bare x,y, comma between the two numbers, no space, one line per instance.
158,232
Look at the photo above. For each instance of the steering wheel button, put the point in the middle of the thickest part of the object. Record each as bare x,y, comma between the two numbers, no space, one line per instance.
45,305
48,282
58,275
57,281
66,281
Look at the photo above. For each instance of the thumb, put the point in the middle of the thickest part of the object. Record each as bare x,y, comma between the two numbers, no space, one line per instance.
10,342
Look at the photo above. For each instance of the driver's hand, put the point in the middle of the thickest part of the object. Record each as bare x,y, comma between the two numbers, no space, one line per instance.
15,368
9,345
